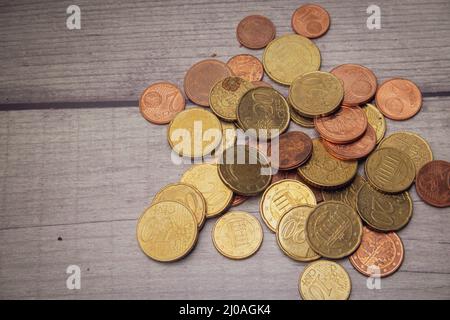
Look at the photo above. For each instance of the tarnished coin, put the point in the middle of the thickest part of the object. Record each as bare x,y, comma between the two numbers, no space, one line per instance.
294,149
281,197
188,196
324,280
390,170
247,67
310,20
346,195
376,120
433,183
291,234
380,254
316,94
186,133
301,120
201,77
333,229
167,231
255,32
382,211
160,102
237,235
360,83
205,178
238,199
225,96
289,57
398,99
261,84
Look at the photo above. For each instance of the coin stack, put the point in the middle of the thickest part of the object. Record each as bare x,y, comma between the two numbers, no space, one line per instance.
317,204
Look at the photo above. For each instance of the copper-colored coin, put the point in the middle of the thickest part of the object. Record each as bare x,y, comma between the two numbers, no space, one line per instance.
360,83
201,77
261,84
380,254
344,126
255,32
433,183
398,99
355,150
294,149
247,67
238,199
310,20
293,175
160,102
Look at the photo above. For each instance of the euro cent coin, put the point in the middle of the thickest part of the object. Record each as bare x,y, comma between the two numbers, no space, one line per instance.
433,183
310,20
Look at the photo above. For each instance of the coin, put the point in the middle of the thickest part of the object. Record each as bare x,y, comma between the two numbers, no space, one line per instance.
294,148
201,77
333,229
255,32
206,179
344,126
301,120
247,67
186,133
291,234
289,57
188,196
237,235
160,102
398,99
281,197
310,20
390,170
324,280
229,136
380,254
225,96
360,83
238,199
316,94
167,231
325,171
261,84
284,174
317,192
263,113
382,211
346,195
376,120
410,143
244,170
433,183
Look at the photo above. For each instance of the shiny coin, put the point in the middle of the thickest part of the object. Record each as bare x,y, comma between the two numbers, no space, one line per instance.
261,84
346,195
293,149
238,199
301,120
376,120
247,67
310,20
255,32
433,183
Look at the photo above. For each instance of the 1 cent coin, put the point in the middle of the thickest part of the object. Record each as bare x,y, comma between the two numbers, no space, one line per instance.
310,20
247,67
293,149
255,32
433,183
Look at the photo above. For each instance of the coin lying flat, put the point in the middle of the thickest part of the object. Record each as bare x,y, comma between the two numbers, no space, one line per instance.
346,195
255,32
229,136
310,20
376,120
237,235
247,67
433,183
294,149
293,175
301,120
167,231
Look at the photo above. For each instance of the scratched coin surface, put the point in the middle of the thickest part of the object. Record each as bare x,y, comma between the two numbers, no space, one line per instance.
398,99
247,67
316,94
167,231
301,120
289,57
160,102
292,149
380,254
205,178
291,234
346,195
382,211
255,32
281,197
237,235
324,280
201,77
238,199
310,20
360,83
433,183
376,119
390,170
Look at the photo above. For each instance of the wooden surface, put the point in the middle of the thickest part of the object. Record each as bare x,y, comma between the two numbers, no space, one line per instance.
77,161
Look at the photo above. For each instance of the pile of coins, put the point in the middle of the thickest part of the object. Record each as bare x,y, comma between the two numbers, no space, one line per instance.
317,204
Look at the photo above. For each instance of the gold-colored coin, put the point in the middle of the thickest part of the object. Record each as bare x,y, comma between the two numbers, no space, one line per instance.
229,135
376,120
333,229
291,234
237,235
188,196
326,172
281,197
263,112
301,120
167,231
384,212
205,178
410,143
225,96
346,195
316,93
289,57
324,280
186,133
390,170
